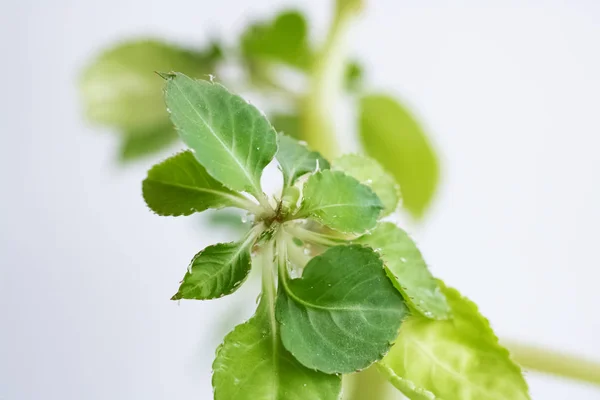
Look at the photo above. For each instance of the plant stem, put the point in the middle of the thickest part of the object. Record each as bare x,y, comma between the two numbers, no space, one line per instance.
326,82
552,362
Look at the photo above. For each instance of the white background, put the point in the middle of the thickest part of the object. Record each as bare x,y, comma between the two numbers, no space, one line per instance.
508,90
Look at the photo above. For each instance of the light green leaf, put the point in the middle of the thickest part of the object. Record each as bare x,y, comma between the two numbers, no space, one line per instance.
407,269
135,145
284,40
343,314
458,358
231,138
295,159
181,186
392,136
216,271
367,171
252,363
340,202
120,88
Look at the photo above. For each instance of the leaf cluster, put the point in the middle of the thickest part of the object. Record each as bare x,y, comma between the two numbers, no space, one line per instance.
277,59
341,289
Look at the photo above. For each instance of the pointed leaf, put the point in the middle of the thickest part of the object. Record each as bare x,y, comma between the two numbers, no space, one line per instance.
407,269
252,364
343,314
458,358
120,88
367,171
295,159
216,271
340,202
392,136
181,186
231,138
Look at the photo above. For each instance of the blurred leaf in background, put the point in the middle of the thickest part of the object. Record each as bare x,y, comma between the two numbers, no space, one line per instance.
121,91
392,136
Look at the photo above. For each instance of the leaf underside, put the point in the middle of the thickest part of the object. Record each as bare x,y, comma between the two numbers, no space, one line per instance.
459,358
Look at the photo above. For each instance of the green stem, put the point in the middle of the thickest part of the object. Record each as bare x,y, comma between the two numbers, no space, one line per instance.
552,362
326,82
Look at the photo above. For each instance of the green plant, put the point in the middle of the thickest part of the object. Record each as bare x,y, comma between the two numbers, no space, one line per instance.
444,350
341,290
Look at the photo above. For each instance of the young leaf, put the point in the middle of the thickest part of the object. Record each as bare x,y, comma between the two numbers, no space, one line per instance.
458,358
367,171
252,364
340,202
121,90
231,138
407,269
135,145
284,40
295,160
181,186
343,314
391,135
216,271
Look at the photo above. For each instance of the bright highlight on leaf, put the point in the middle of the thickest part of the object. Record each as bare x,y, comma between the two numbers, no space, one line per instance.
391,135
367,171
343,314
340,202
230,137
181,186
295,160
455,359
407,269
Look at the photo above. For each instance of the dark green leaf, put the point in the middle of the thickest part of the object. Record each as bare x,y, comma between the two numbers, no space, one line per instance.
216,271
295,159
343,314
458,358
231,138
120,88
367,171
407,269
181,186
392,136
340,202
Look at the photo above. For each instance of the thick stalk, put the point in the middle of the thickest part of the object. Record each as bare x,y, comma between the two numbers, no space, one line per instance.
326,82
555,363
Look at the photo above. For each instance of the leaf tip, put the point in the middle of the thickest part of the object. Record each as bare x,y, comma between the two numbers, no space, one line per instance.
165,75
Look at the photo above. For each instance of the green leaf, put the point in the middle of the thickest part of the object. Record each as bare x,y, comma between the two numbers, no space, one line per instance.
136,145
343,314
252,363
231,138
216,271
354,76
392,136
368,171
407,270
284,40
458,358
340,202
288,124
120,88
181,186
295,159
